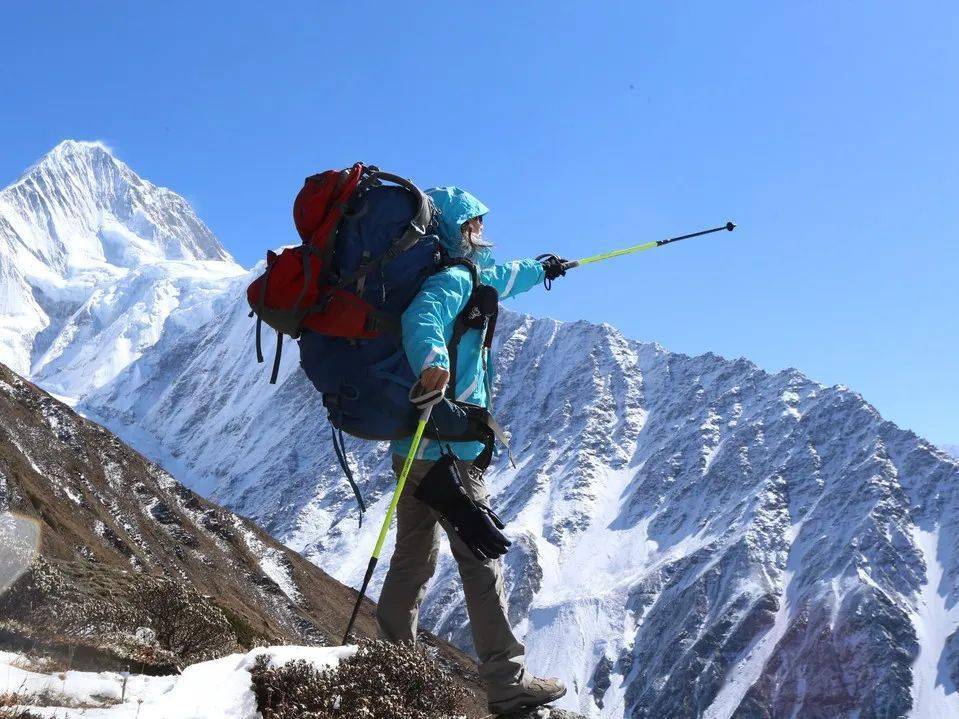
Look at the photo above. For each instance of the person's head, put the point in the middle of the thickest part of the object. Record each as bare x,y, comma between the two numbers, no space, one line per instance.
460,222
472,233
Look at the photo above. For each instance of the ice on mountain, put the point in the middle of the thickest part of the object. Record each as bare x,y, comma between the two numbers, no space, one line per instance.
933,686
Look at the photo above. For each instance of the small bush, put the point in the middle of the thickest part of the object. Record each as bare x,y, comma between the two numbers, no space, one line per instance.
381,681
86,602
15,713
51,698
39,664
183,622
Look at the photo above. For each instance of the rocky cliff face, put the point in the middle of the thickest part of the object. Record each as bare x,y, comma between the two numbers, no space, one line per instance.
693,536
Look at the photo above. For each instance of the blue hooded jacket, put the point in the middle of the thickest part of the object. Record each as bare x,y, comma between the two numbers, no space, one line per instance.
429,319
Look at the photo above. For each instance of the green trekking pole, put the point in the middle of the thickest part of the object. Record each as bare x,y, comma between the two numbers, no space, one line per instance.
424,402
730,226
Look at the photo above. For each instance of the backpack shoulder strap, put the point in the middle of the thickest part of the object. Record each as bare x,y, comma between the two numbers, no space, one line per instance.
480,313
459,326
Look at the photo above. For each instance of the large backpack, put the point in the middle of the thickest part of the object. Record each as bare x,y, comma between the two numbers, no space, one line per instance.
367,248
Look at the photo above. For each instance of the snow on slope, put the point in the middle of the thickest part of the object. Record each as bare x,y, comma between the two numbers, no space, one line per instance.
692,534
95,265
933,690
187,696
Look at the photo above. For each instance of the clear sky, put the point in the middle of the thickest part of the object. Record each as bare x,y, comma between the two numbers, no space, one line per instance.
827,130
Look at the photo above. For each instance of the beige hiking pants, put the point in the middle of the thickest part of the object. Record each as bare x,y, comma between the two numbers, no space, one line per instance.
412,565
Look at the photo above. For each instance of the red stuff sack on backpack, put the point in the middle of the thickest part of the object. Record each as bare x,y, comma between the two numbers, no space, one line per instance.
295,281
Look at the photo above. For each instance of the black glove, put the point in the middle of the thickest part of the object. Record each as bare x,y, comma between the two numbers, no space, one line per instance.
476,524
553,266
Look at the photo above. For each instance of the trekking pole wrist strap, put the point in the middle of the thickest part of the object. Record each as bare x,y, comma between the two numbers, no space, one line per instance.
422,399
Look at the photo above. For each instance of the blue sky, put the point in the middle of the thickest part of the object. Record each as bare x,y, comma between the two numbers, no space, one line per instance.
827,130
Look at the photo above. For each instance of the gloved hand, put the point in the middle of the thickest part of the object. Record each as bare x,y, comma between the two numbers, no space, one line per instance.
479,528
476,524
553,266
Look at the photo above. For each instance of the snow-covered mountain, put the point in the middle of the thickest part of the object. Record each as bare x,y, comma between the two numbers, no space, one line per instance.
695,537
95,265
951,449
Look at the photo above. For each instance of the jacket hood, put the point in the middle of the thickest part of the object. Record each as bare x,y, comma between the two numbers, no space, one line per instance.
455,206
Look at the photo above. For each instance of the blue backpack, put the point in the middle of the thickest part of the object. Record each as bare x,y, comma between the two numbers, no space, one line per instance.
365,380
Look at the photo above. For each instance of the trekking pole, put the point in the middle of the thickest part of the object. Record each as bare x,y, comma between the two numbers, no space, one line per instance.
424,402
643,247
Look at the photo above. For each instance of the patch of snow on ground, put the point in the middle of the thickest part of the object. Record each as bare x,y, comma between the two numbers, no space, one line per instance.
220,688
79,687
272,563
933,694
74,497
26,455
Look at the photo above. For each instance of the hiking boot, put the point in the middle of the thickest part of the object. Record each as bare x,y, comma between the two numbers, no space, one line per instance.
534,693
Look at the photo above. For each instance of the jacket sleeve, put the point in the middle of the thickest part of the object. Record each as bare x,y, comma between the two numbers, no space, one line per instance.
514,278
434,309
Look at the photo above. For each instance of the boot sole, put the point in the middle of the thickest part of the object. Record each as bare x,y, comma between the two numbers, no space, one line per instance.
526,707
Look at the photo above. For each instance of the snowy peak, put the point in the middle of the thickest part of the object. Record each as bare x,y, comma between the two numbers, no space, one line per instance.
96,261
81,206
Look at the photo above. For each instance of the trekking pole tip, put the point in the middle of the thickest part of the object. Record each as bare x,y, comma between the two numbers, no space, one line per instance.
730,225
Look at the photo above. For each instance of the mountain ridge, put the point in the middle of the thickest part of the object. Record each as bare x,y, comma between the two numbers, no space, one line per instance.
310,509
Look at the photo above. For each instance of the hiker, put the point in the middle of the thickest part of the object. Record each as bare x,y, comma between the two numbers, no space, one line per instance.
427,326
393,299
